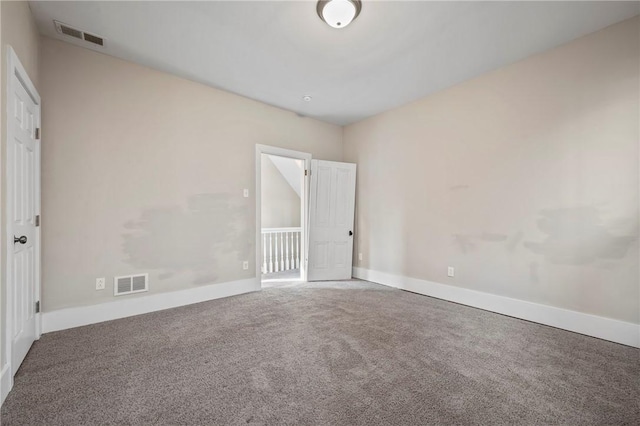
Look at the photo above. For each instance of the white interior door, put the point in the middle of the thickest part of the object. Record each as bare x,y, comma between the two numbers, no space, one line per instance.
331,210
23,202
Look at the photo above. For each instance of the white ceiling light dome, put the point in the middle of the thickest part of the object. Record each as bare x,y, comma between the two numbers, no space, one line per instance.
338,13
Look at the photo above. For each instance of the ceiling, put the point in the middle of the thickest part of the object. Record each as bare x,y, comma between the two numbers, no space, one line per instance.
278,52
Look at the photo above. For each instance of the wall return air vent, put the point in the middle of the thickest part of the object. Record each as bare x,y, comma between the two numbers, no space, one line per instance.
129,284
67,30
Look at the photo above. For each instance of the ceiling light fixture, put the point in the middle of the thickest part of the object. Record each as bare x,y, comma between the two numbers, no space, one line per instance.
306,98
338,13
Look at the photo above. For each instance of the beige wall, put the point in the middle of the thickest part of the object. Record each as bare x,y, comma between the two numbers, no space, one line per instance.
280,205
524,179
18,30
144,172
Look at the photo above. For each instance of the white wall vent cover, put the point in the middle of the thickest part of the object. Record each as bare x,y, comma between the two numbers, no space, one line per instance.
130,284
79,34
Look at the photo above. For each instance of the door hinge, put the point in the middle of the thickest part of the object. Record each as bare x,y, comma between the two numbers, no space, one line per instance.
38,220
38,307
37,132
307,172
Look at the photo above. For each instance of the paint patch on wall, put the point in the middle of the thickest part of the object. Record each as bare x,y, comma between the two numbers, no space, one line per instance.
468,242
578,236
177,240
464,243
606,265
534,272
491,237
513,242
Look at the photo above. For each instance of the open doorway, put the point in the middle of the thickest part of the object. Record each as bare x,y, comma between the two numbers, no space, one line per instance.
281,218
281,189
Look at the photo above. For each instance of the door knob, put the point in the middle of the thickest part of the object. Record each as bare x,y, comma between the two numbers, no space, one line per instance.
21,240
350,233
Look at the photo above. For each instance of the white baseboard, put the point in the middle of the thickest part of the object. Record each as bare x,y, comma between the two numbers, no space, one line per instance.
6,382
84,315
604,328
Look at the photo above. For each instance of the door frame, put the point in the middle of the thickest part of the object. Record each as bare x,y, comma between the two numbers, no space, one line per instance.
15,67
304,201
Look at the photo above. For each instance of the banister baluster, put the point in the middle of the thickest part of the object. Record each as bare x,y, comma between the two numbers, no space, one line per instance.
281,253
286,245
275,248
270,254
264,253
292,260
298,249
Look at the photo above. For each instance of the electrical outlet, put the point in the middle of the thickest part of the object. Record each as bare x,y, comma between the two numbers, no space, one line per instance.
359,256
245,193
100,283
451,271
245,265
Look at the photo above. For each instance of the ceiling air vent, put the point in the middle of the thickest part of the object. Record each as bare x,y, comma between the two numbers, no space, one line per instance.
130,284
79,34
93,39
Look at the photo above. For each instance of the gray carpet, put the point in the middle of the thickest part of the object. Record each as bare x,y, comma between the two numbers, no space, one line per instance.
332,353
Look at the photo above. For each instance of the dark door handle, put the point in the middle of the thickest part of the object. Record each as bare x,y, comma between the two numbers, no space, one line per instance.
350,233
21,240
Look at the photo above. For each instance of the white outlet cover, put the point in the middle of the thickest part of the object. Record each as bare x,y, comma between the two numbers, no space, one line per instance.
451,271
245,265
359,256
100,283
245,193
